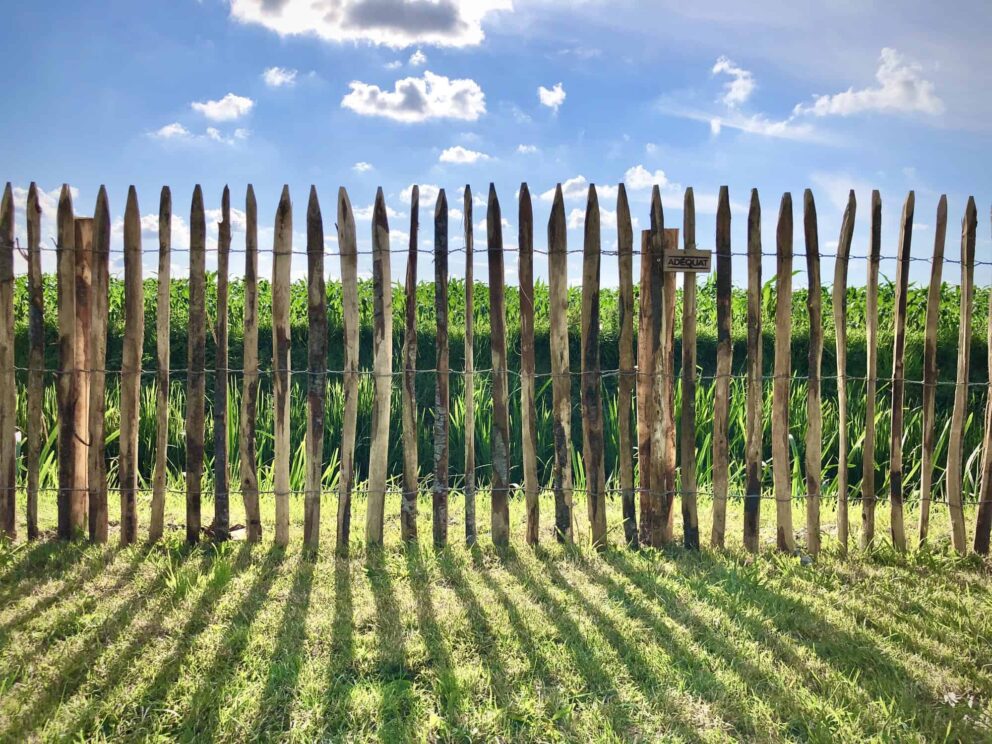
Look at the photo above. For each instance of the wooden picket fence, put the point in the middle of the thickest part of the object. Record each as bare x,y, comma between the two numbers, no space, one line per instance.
646,375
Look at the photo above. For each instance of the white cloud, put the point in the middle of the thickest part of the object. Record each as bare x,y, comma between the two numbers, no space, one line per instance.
526,149
552,98
428,193
788,128
638,178
418,99
571,188
365,213
228,108
607,219
901,89
394,65
715,126
740,86
361,167
461,155
394,23
651,148
175,130
418,59
277,77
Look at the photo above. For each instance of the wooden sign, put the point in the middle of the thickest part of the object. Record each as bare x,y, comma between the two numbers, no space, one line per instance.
689,260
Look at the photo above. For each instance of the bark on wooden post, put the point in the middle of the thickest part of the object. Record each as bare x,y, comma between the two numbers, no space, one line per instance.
783,373
501,411
382,369
840,331
930,369
71,503
670,237
955,474
349,303
8,389
469,382
528,414
561,385
96,453
868,496
659,383
441,396
690,516
134,334
899,376
814,411
222,509
84,281
627,379
162,329
36,358
983,521
754,427
592,398
317,372
649,325
249,395
724,362
282,260
408,502
195,362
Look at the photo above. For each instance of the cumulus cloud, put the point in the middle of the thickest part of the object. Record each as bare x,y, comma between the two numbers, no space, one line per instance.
418,99
552,98
607,219
228,108
361,167
172,131
638,178
740,86
278,77
394,23
578,188
901,88
526,149
418,59
461,155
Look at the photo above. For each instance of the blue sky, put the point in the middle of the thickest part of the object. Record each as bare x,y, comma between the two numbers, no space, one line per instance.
367,93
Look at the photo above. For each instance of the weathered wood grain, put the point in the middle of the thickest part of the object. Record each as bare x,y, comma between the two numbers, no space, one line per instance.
955,474
249,395
36,358
724,362
134,334
868,495
627,378
382,369
347,246
839,303
408,502
899,376
670,237
528,412
71,503
156,522
282,260
781,470
814,402
196,380
469,381
561,385
317,370
500,508
659,384
690,515
648,332
8,386
983,520
96,479
84,281
753,425
221,527
442,411
930,370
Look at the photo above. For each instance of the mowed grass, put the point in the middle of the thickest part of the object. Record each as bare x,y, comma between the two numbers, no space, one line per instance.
239,643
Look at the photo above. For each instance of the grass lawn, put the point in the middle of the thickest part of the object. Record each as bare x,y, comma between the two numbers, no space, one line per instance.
235,643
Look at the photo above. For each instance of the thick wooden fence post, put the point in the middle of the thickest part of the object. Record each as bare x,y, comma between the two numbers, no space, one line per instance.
528,414
221,527
469,382
868,495
839,302
899,376
317,373
382,369
670,238
983,521
754,427
659,388
134,334
408,501
441,388
592,396
814,410
36,358
648,330
347,247
96,452
156,524
71,504
783,373
627,379
955,474
84,281
690,515
724,366
561,385
196,383
282,260
8,385
930,369
249,395
500,507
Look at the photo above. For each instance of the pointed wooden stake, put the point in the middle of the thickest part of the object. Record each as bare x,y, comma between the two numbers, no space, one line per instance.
868,495
317,370
196,381
96,454
134,334
441,397
282,260
156,524
814,410
8,385
469,392
690,516
528,413
36,358
349,302
724,364
783,373
840,330
666,352
899,376
411,467
249,396
754,427
71,503
983,521
627,378
222,507
648,332
500,508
